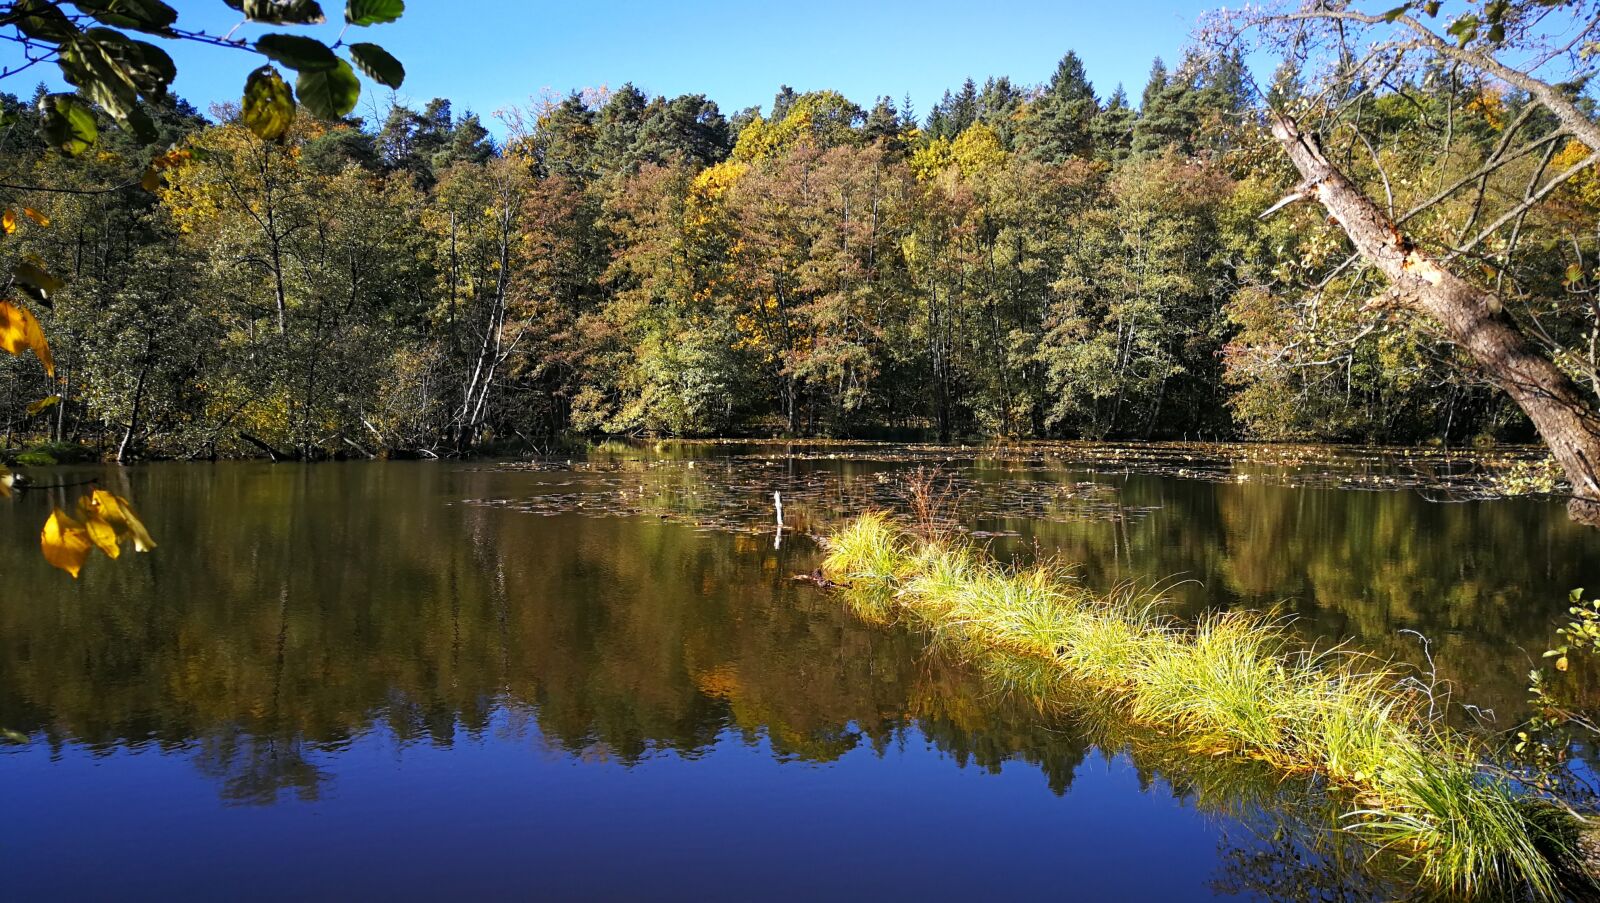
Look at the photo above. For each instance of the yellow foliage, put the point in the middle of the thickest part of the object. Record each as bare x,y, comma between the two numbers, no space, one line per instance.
1491,106
65,542
756,141
19,331
105,521
823,117
976,150
99,532
8,221
714,181
933,158
1585,186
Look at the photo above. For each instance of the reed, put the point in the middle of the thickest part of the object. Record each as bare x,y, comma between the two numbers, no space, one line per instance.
1234,684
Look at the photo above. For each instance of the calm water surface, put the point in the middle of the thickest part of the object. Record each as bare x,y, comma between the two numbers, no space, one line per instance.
599,681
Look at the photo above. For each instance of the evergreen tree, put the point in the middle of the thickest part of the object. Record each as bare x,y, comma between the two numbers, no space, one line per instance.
617,132
884,125
689,128
781,103
470,142
1167,117
1112,130
938,124
998,104
963,110
564,143
1060,121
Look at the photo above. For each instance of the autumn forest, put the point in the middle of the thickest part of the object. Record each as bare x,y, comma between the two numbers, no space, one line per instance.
1052,260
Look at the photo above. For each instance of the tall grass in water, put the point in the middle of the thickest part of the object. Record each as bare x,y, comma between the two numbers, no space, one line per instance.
1234,684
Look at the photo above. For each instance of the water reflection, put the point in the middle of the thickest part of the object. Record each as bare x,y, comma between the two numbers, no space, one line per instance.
292,614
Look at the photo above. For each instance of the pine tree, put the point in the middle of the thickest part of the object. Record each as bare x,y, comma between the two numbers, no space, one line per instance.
938,124
883,124
564,144
617,132
998,104
470,142
1059,123
1167,117
963,111
1112,130
689,128
781,103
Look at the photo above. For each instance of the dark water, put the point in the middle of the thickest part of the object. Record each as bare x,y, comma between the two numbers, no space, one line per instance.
414,680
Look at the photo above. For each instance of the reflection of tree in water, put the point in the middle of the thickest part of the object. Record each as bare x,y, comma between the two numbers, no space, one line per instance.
331,601
1280,866
253,769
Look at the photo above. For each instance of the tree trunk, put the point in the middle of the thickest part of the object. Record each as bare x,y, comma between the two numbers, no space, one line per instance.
1470,318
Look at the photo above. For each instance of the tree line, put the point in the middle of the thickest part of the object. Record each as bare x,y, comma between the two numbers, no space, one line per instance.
1021,261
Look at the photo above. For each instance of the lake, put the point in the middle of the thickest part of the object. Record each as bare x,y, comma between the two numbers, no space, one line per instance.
599,679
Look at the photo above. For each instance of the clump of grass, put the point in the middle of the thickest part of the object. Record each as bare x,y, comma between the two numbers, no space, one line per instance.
1237,684
871,548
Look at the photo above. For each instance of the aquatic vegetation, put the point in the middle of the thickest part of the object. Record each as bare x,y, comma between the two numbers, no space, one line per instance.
1536,476
1232,684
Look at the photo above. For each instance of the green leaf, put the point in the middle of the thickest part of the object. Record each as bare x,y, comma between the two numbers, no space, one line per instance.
91,62
281,12
297,52
42,21
329,93
268,108
378,64
68,123
373,12
1396,13
139,15
1464,29
147,66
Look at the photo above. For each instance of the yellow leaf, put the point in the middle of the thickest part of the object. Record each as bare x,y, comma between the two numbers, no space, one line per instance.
119,514
97,529
1561,663
39,219
43,403
19,329
64,543
13,328
6,479
8,221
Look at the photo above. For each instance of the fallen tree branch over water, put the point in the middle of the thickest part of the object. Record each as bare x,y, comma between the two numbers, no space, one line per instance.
1236,684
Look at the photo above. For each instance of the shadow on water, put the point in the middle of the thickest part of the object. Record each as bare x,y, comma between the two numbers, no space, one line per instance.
294,616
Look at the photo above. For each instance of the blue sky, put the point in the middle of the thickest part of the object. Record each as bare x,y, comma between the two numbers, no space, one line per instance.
487,54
